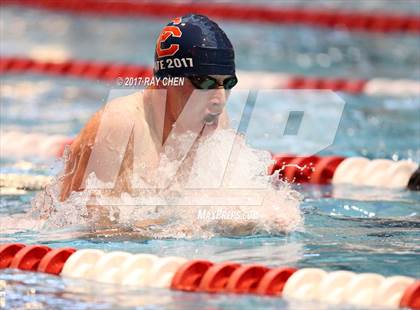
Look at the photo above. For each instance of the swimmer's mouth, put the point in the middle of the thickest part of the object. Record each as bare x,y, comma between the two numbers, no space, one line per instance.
211,118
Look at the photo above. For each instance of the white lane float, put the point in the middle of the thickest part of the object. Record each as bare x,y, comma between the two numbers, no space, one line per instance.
81,264
331,288
107,268
378,172
390,291
134,269
361,288
304,283
163,271
348,170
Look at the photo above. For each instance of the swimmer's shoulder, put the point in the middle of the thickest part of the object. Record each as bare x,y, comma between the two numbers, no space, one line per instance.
125,108
122,112
118,114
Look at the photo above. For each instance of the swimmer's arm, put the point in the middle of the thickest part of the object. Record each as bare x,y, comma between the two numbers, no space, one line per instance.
78,157
75,170
105,137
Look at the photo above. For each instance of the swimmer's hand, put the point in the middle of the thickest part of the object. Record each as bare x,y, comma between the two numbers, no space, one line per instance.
102,217
142,224
140,230
116,234
232,228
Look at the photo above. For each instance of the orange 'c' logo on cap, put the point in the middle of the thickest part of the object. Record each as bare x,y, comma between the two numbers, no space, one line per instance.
167,32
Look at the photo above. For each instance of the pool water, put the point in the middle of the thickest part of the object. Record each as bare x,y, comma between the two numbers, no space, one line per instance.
345,228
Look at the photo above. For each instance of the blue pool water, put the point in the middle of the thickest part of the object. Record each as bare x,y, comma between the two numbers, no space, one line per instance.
345,228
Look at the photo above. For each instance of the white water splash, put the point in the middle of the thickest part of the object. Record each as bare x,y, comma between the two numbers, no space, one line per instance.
174,212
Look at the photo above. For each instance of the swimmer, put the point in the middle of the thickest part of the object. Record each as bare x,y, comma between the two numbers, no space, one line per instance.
126,140
192,47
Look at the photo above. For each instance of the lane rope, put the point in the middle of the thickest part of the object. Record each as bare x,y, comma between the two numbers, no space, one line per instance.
200,275
110,72
17,144
335,170
339,19
26,182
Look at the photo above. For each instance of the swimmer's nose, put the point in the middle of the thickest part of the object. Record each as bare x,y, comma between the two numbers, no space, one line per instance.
216,106
218,98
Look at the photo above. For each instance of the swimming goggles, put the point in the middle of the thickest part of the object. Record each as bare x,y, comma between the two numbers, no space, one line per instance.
207,82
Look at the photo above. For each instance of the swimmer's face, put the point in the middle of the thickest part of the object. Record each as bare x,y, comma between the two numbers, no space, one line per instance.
203,106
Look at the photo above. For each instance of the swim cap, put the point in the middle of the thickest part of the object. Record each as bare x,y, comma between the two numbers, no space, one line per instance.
193,45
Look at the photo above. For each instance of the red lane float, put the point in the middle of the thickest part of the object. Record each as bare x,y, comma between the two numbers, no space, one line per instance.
245,279
28,258
108,72
342,19
54,260
300,169
7,252
205,276
189,276
216,277
411,297
311,169
325,168
272,283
